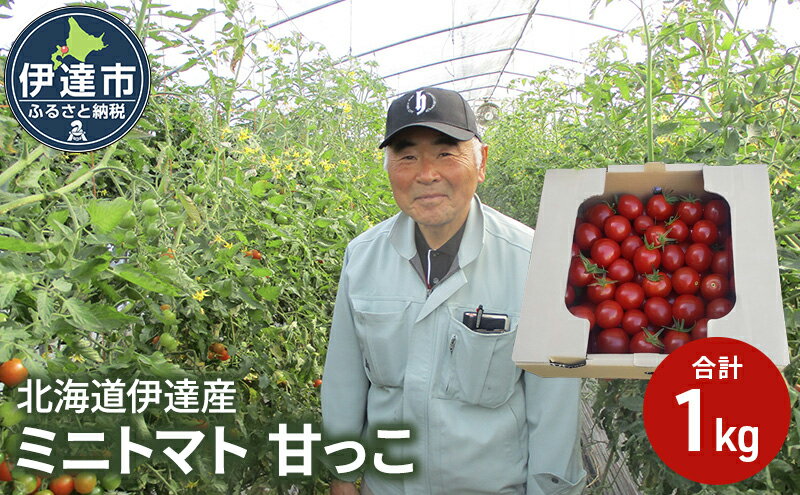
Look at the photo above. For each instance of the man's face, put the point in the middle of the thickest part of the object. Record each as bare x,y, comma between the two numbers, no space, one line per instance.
433,177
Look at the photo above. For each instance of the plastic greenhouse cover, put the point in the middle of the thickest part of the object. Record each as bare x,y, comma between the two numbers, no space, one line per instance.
481,48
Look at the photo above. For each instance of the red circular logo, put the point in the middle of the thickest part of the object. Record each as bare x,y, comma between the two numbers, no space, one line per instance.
717,410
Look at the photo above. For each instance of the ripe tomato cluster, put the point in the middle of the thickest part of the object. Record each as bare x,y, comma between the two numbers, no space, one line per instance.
217,350
648,275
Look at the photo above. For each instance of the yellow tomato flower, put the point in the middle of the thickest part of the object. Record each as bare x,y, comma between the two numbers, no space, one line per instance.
200,295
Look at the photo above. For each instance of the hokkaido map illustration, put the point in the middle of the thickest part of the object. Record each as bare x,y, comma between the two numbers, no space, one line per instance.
79,45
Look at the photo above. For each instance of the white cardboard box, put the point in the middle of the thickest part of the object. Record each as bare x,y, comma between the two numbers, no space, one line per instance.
552,342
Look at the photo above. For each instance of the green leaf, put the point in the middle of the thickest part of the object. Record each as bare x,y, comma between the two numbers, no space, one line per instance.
276,199
85,348
82,315
191,209
324,222
792,228
665,128
760,85
144,280
727,41
731,145
61,285
7,293
22,246
710,126
90,268
44,307
269,292
105,215
260,188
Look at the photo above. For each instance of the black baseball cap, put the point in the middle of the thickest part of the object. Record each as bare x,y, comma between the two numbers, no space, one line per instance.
440,109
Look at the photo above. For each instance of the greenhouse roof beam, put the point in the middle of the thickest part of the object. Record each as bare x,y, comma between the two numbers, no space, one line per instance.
440,31
299,15
559,57
516,43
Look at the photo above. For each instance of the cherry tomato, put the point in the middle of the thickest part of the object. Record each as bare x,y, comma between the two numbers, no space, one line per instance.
641,223
85,483
111,481
656,284
646,260
575,251
569,296
600,291
699,256
608,314
688,308
718,308
13,372
605,251
629,295
660,207
628,246
690,211
583,311
700,329
621,270
613,341
645,341
44,492
5,472
686,280
721,262
629,206
633,320
26,483
586,234
717,211
617,228
713,286
578,275
674,339
598,213
224,356
705,231
672,257
658,311
655,235
317,383
217,348
677,230
62,485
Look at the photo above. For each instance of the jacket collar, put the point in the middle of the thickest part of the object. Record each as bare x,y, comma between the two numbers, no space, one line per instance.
402,235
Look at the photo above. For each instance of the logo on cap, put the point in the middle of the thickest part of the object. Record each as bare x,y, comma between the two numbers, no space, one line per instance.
420,102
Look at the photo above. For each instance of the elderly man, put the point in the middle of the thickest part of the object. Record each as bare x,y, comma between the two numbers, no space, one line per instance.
424,324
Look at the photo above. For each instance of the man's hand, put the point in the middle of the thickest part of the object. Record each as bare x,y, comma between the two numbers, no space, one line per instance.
343,488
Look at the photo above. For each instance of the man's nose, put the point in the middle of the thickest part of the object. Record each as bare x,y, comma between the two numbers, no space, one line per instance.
428,172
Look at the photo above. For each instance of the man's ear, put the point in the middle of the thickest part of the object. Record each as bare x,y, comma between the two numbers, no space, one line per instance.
482,167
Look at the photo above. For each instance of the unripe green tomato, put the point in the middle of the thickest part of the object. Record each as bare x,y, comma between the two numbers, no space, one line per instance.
281,219
174,206
169,316
98,490
44,492
10,414
152,230
790,59
168,342
130,237
128,220
150,207
111,481
24,482
12,444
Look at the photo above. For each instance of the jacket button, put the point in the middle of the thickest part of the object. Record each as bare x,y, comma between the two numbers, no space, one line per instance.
554,480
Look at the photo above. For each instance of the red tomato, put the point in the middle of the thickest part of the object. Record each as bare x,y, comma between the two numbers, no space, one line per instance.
721,262
608,314
601,291
699,256
660,207
586,234
713,286
705,231
605,251
677,230
686,280
717,211
598,213
672,258
690,211
655,235
620,270
629,295
688,308
658,311
718,308
63,485
583,311
646,260
633,320
13,372
674,339
629,206
656,284
617,227
700,329
628,246
645,341
575,250
569,296
5,472
85,483
613,341
641,223
578,275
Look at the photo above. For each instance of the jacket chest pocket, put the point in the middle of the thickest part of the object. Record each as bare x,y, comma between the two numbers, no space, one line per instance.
478,366
382,332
